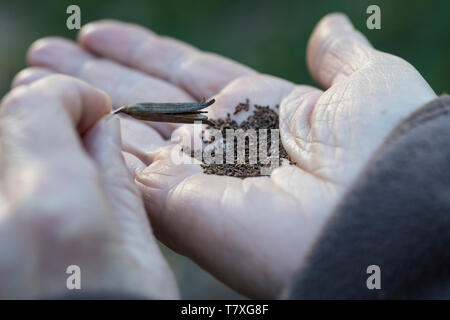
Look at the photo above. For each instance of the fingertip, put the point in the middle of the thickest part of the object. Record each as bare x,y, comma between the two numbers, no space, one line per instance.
12,99
42,49
57,54
333,44
83,102
89,30
34,51
95,101
111,36
97,104
98,25
331,23
22,78
30,75
337,19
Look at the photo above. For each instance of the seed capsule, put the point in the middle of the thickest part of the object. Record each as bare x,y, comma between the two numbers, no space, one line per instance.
184,112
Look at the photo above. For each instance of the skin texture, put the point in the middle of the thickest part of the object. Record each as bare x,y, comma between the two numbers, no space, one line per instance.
76,204
253,233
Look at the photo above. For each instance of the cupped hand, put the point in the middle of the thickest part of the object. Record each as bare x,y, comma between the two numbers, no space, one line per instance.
252,233
67,199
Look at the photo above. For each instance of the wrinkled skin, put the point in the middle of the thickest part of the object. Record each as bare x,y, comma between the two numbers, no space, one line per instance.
250,233
67,198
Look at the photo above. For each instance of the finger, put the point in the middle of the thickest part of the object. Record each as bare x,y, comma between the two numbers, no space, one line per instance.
201,74
64,101
133,163
139,139
336,50
30,75
124,85
37,142
103,143
296,132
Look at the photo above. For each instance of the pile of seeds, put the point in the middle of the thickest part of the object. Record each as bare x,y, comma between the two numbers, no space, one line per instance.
263,117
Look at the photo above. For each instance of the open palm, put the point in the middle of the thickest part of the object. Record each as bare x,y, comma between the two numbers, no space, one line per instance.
251,233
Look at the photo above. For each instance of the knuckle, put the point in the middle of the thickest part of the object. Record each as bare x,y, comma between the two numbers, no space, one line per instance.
22,76
25,94
39,50
15,97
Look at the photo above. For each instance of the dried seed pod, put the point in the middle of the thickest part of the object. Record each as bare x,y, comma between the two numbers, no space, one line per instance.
184,112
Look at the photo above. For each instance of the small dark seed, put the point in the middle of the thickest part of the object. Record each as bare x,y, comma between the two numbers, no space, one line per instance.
263,117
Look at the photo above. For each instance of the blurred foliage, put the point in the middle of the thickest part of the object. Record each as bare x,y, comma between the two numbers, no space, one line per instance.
270,36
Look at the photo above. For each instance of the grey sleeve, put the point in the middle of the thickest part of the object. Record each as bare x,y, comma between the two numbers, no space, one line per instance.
396,216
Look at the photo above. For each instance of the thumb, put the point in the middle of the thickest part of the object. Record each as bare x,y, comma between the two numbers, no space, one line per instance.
103,144
134,241
336,50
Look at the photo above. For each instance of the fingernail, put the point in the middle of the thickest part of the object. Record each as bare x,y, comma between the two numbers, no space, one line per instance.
113,125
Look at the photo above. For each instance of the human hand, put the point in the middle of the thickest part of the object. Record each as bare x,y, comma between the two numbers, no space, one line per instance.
67,198
254,233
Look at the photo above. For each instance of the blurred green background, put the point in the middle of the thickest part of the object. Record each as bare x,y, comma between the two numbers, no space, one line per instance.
270,36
